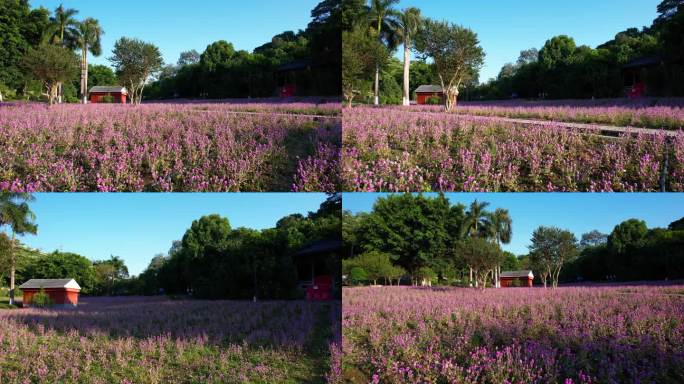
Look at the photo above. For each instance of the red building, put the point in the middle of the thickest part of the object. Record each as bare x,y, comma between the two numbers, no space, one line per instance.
100,94
318,269
516,279
425,92
62,292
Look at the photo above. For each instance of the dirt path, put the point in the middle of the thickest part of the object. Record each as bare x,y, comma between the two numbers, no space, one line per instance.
604,130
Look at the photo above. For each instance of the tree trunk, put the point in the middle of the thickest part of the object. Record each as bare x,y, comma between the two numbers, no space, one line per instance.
451,94
376,100
470,279
407,68
84,75
13,266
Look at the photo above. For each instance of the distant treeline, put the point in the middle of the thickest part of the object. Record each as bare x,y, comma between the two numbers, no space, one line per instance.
310,59
212,260
561,69
415,238
631,252
216,261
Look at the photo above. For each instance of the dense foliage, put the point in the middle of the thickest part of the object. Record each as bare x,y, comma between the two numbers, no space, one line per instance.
561,69
213,260
425,239
632,252
310,59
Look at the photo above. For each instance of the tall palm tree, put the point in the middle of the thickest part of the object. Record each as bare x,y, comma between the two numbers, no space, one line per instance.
409,22
62,31
502,231
476,224
383,21
16,214
88,39
477,220
63,27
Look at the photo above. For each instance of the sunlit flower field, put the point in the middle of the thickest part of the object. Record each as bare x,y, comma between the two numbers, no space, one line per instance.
155,340
170,147
397,150
517,335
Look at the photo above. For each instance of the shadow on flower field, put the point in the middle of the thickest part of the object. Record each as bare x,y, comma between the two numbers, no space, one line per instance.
157,340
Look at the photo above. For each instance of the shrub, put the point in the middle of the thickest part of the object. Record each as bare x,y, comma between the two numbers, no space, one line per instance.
433,100
358,275
107,99
41,299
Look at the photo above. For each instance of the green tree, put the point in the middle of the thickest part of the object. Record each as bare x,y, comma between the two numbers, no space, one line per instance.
377,265
480,255
53,65
413,229
677,225
384,25
359,55
18,217
502,230
409,24
109,273
456,53
100,75
135,62
552,248
87,38
61,265
188,58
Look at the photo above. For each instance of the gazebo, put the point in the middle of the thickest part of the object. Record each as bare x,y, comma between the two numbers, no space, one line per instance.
318,268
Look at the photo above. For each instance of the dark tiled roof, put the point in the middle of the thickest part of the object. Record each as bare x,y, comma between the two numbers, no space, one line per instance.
50,283
646,61
108,89
321,246
429,88
516,273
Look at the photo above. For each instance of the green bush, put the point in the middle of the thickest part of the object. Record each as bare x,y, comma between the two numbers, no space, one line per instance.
433,100
41,299
358,275
108,99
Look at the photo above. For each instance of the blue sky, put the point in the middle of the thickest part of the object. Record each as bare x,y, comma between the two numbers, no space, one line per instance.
176,25
506,27
577,212
138,226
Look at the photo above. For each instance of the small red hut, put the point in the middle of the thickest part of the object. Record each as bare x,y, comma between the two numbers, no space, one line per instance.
62,292
100,94
424,92
316,268
516,279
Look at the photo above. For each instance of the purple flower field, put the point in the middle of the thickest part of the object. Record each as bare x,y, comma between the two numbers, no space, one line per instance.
645,113
397,150
170,147
155,340
519,335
